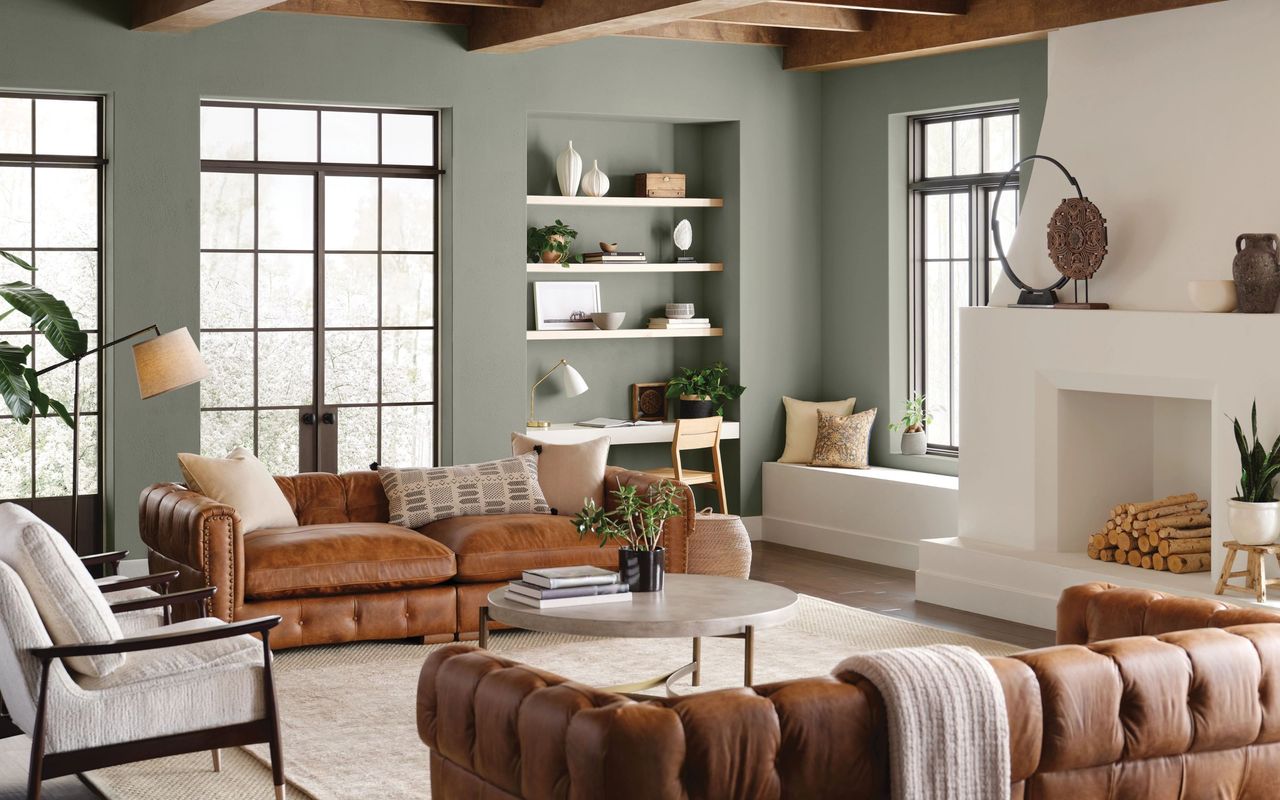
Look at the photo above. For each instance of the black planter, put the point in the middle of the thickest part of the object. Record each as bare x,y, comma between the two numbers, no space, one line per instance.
641,569
695,409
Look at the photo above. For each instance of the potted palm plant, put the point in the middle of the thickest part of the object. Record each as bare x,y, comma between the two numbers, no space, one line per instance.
912,424
637,521
703,392
550,243
1254,513
19,384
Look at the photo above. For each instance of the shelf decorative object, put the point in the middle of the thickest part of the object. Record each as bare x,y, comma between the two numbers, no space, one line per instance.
1213,296
660,184
682,236
595,183
566,305
1256,271
703,392
550,243
915,417
569,170
649,402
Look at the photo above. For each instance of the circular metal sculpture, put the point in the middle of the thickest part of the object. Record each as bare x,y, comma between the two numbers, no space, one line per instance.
1077,242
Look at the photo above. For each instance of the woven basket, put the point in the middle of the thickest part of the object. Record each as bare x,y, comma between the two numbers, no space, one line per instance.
719,546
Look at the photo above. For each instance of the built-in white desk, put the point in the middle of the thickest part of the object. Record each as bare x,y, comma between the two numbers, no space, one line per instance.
568,433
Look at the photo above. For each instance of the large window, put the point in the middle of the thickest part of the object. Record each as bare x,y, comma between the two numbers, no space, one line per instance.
957,161
51,179
318,284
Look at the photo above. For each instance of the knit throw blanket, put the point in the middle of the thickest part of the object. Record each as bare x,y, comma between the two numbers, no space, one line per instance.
948,729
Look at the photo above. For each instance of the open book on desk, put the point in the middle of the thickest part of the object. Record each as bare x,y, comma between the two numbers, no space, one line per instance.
609,422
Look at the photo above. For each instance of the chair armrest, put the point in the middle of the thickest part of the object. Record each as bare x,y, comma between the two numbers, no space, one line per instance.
97,559
199,536
118,584
677,530
176,639
190,596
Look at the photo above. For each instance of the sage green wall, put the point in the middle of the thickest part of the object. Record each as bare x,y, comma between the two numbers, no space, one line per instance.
155,82
864,208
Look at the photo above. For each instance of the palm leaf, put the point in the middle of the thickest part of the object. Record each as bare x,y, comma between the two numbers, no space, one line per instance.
13,388
49,315
14,259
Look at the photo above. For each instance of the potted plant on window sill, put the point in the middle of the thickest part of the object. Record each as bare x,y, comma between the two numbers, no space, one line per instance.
703,392
1254,514
912,424
550,243
637,521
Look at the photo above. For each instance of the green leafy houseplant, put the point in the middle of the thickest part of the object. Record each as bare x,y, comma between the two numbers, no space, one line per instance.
709,383
914,416
1258,467
636,519
550,243
19,384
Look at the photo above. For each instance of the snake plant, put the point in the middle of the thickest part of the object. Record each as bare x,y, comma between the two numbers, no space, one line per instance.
1258,467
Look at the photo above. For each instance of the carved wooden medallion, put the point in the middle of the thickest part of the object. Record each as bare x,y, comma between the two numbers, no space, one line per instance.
1077,238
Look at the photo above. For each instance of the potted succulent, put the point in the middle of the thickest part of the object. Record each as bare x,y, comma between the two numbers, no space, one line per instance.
637,521
550,243
1254,513
703,392
912,424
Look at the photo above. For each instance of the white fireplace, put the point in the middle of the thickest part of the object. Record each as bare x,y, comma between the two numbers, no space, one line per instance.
1065,414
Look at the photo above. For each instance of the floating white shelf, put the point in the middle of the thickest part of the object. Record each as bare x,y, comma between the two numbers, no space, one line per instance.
567,269
625,333
626,202
568,433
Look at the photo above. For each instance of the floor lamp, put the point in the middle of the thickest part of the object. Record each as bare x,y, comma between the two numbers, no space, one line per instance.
164,363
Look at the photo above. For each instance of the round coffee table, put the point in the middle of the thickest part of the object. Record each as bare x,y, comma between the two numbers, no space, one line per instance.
689,605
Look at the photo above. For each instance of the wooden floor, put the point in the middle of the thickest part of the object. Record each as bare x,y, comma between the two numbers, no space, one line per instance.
885,590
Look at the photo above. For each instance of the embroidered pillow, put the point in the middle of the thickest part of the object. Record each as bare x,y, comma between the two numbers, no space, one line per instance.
568,473
843,441
421,495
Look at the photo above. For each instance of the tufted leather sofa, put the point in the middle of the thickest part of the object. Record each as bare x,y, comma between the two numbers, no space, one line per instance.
1181,699
345,574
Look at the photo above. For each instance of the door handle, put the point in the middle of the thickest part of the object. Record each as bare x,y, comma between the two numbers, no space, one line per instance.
308,418
327,418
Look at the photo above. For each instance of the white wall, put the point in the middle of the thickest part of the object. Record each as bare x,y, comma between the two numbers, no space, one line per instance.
1170,122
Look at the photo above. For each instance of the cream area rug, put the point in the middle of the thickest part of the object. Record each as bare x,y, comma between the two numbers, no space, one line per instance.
348,710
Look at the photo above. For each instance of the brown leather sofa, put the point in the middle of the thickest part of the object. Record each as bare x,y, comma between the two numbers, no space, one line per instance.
1146,696
345,574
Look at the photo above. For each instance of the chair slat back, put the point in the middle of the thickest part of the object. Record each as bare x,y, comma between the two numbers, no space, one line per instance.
697,434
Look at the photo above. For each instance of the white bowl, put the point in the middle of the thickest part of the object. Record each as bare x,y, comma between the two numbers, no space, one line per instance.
608,320
1212,296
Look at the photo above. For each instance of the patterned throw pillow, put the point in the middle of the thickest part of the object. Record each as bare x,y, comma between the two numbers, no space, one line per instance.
843,441
419,496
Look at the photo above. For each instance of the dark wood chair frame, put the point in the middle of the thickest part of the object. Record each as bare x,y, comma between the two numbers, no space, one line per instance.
265,730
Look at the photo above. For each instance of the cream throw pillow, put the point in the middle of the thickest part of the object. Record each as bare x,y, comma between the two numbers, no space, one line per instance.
802,426
569,474
241,481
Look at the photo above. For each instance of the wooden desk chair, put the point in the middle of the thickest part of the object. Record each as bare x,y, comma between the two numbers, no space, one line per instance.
697,434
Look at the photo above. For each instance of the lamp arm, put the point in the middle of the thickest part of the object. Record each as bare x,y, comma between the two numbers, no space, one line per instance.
538,382
150,328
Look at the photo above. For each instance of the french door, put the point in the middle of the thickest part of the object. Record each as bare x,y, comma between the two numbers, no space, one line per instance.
319,284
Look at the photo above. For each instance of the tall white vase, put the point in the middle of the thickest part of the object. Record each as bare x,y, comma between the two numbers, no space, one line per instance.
569,170
595,183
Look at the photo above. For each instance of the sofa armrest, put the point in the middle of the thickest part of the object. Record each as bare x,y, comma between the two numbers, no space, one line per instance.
1093,612
200,537
678,529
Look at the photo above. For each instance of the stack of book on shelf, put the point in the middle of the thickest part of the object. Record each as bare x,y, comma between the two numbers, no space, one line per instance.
679,324
557,587
620,257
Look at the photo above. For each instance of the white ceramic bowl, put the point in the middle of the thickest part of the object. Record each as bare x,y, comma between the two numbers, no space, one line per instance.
679,310
608,320
1213,296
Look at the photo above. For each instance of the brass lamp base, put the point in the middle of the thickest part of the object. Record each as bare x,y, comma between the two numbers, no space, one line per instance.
538,423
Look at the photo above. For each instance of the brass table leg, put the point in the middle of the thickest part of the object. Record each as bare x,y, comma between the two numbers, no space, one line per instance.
484,628
697,661
748,653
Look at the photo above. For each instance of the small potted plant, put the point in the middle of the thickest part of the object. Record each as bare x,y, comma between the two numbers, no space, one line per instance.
637,521
912,424
550,243
1254,514
703,392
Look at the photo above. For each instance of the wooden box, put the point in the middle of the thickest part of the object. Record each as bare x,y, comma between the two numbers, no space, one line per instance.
660,184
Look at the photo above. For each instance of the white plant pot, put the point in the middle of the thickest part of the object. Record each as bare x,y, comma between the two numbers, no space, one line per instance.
914,443
569,170
1254,523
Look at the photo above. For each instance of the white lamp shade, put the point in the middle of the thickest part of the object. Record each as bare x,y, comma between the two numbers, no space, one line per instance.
574,385
169,361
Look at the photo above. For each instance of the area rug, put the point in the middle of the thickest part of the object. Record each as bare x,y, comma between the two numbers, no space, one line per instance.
348,710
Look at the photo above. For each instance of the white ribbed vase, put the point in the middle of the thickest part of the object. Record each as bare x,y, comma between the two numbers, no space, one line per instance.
595,183
569,170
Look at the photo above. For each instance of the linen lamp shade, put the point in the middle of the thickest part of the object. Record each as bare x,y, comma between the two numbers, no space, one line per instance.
167,362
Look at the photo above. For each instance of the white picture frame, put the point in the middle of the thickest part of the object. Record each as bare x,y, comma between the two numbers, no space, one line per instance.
565,305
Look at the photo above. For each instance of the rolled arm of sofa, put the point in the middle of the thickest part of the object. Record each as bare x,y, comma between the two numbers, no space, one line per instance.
677,531
1094,612
199,537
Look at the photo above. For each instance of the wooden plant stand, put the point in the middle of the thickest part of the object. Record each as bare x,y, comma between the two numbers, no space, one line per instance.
1254,573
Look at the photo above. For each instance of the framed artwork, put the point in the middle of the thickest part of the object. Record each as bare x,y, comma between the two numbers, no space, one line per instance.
565,305
649,402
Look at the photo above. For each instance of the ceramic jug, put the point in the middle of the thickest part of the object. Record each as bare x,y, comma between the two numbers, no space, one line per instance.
1256,271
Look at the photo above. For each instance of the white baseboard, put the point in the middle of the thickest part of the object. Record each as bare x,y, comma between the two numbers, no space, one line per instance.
133,568
848,544
755,528
1015,604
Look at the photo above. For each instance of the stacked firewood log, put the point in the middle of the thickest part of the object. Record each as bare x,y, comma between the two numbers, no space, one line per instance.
1174,534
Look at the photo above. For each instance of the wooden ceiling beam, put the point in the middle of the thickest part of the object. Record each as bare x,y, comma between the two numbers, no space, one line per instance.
987,23
487,3
518,30
701,30
928,7
405,10
180,16
796,15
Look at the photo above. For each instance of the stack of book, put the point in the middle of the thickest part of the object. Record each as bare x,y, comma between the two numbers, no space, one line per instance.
557,587
620,257
681,324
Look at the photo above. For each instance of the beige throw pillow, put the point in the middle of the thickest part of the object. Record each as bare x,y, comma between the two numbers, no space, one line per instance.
241,481
802,426
421,495
569,474
843,441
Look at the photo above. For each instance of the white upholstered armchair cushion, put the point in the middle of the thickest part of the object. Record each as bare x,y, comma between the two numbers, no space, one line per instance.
70,605
141,622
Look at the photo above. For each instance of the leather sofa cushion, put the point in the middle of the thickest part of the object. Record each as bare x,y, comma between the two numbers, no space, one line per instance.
499,548
344,558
